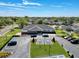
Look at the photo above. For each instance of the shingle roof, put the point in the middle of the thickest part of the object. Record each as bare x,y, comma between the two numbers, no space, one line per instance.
36,27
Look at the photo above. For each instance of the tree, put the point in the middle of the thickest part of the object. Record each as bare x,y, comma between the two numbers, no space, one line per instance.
21,22
33,40
40,22
54,18
53,40
26,18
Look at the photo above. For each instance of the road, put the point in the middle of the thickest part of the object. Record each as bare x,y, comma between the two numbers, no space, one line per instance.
6,29
72,48
21,50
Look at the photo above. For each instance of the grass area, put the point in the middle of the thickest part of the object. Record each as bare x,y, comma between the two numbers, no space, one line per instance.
75,35
61,32
43,50
7,36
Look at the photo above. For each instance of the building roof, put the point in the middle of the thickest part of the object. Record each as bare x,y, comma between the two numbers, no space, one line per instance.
33,27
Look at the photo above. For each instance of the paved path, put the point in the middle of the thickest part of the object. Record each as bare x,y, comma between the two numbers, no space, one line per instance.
7,29
73,49
21,50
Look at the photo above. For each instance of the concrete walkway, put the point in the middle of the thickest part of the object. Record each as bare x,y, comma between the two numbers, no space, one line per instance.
72,48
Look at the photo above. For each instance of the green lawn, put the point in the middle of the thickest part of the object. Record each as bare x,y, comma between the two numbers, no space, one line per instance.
75,35
43,50
61,32
7,36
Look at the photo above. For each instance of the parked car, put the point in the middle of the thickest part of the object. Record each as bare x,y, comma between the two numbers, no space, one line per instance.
12,43
66,37
70,38
33,35
74,41
45,35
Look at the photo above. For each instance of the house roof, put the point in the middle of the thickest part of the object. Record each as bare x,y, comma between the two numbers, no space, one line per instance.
38,27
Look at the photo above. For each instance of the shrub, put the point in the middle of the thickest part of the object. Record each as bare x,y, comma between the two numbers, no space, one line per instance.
33,40
53,40
4,54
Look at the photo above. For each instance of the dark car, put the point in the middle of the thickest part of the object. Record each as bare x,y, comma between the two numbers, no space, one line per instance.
74,41
69,39
12,43
33,35
45,35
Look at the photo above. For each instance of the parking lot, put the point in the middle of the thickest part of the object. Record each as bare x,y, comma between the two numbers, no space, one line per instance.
72,48
44,40
21,50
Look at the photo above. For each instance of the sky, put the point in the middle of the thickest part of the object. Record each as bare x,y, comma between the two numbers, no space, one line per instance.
44,8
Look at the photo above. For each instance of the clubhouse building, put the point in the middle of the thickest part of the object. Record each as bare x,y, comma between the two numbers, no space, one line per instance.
37,29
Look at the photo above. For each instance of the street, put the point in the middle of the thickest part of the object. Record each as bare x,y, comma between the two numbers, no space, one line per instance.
7,29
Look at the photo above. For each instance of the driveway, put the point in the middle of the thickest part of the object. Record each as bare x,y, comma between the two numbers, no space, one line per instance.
72,48
21,50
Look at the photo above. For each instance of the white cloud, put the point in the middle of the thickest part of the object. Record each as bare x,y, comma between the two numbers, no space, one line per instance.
19,6
25,2
12,5
6,4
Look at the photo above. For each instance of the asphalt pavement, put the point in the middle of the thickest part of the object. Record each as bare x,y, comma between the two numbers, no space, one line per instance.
72,48
21,50
7,29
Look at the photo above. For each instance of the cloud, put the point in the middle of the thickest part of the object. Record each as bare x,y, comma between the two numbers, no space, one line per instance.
25,2
6,4
11,5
